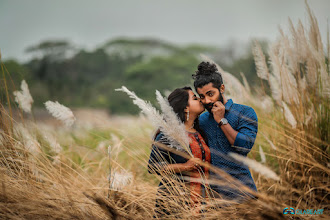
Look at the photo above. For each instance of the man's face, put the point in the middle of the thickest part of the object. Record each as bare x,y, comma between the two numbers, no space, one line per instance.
209,95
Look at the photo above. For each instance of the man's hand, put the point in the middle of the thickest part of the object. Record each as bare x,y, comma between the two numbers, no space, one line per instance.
218,111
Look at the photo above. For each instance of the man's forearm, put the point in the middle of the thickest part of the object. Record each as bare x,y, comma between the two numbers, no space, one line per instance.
229,132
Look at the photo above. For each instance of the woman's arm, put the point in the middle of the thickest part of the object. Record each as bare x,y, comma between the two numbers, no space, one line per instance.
159,160
181,167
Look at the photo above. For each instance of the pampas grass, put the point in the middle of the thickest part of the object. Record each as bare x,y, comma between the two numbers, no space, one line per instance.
260,60
269,141
24,98
172,119
289,116
60,112
74,185
120,179
158,120
262,155
256,166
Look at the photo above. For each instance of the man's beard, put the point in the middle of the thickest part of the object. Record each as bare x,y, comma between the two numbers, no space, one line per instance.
209,106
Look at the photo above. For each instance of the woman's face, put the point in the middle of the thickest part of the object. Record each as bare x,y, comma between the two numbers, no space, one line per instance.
194,105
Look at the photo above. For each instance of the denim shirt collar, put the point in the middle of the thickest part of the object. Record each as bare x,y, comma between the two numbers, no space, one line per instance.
228,104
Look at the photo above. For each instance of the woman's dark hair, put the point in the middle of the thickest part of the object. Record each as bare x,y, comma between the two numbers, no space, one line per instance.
178,100
207,73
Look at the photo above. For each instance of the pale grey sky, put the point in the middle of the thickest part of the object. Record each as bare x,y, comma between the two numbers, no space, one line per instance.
91,23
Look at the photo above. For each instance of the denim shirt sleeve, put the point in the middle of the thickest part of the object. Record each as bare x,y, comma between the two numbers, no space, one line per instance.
158,156
247,131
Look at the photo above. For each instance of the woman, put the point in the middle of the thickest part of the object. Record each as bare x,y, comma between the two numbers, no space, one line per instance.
188,107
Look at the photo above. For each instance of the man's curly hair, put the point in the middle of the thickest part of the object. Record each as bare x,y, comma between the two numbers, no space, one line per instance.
207,73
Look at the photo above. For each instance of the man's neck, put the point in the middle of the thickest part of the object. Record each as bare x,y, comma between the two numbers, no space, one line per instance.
224,99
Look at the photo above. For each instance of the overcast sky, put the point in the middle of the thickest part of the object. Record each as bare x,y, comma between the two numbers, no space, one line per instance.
91,23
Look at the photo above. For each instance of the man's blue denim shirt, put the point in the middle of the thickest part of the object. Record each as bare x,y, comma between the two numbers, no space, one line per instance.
243,119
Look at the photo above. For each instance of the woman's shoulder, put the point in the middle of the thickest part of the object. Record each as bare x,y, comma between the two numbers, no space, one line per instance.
160,137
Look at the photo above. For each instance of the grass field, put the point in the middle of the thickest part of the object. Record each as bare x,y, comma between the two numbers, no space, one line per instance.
50,171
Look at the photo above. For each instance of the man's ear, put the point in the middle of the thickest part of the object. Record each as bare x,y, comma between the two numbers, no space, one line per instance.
222,88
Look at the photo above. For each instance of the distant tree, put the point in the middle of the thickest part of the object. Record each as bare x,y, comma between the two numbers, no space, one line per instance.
51,49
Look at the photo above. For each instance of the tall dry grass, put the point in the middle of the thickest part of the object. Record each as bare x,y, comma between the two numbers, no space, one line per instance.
298,76
63,173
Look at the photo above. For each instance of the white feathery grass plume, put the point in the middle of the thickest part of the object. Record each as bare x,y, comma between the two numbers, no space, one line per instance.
288,65
269,141
314,31
323,76
282,83
275,78
156,118
116,143
120,179
275,88
262,155
28,140
260,61
289,86
172,119
289,56
245,83
24,98
289,116
60,112
256,166
53,143
266,103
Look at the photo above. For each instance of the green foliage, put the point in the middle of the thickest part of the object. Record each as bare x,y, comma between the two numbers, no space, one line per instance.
89,78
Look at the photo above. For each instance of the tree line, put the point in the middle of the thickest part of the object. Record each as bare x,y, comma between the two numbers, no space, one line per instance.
75,77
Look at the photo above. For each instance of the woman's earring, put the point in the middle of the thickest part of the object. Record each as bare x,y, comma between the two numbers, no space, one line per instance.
188,115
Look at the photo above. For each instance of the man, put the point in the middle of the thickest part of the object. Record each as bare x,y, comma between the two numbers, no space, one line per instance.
229,127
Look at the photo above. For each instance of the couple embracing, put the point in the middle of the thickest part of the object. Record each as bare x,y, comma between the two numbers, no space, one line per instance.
225,127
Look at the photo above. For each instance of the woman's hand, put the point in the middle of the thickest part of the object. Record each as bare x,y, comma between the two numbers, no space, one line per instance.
192,163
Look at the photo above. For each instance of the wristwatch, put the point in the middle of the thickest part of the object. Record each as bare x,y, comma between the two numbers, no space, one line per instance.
223,121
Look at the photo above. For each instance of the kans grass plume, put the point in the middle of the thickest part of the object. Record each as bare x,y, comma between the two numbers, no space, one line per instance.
260,60
256,166
60,112
269,141
289,116
24,98
171,118
157,120
262,155
120,179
